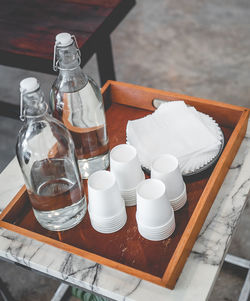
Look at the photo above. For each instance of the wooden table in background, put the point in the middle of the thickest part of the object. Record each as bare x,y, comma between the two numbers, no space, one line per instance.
28,29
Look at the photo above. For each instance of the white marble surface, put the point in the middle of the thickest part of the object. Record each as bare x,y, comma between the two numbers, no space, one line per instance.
200,270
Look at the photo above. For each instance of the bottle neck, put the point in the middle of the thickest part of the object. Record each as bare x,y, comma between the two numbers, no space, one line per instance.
75,70
32,105
68,58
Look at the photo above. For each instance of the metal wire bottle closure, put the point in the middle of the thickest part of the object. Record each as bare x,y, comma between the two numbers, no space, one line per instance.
56,62
21,107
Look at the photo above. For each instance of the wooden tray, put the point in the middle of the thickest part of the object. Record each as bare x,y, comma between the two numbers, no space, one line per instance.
158,262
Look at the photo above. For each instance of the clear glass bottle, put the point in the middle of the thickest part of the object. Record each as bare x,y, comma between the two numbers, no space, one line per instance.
76,100
46,155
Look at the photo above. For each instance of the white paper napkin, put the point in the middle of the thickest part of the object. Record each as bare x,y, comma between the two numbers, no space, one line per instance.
174,128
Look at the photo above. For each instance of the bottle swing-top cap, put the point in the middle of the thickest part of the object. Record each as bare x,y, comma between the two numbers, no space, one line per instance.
63,39
28,85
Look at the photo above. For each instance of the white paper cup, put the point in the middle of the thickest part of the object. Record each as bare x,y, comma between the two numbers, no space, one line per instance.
104,196
153,206
179,202
108,225
125,166
160,229
157,233
166,168
129,197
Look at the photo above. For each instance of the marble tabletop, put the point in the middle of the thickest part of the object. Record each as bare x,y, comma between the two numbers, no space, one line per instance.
198,275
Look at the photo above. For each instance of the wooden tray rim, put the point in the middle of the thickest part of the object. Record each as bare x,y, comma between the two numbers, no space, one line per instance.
196,220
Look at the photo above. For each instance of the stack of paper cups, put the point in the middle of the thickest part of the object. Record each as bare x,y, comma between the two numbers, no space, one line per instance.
106,207
154,215
126,168
166,168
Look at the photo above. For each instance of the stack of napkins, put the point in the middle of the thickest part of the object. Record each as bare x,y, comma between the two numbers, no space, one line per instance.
177,129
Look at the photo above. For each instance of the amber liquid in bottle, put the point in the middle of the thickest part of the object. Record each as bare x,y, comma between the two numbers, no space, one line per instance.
90,143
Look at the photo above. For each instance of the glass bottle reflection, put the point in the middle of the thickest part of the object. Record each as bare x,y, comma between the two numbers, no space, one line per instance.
46,155
76,100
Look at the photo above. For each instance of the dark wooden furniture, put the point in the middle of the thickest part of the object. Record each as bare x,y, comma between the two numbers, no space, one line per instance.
28,29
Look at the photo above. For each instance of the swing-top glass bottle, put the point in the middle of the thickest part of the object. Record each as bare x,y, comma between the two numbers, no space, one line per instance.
76,100
46,155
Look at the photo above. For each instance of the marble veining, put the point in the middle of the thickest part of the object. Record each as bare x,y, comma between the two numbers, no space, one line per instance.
205,258
213,239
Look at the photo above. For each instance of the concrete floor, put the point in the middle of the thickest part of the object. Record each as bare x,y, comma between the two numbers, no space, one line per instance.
196,47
